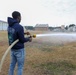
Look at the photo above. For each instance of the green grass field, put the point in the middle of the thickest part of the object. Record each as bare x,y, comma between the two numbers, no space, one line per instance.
43,58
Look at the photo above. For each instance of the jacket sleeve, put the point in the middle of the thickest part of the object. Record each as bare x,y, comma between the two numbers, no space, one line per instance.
21,35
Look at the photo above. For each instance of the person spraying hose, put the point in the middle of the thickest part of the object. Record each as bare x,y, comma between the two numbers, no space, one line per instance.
16,31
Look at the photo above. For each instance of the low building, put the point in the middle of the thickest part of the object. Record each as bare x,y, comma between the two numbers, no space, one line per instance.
59,29
42,27
62,26
3,25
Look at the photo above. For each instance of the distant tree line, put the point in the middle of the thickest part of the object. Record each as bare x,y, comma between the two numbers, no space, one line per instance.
66,27
50,27
29,27
71,25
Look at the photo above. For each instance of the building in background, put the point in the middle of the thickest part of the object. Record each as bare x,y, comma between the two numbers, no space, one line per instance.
42,27
3,25
62,26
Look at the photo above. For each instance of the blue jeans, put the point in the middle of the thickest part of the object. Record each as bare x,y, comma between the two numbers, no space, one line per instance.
17,56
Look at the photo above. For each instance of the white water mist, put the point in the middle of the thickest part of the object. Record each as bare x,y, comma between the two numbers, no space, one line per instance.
58,37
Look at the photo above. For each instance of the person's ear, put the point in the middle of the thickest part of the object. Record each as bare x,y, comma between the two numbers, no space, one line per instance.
19,19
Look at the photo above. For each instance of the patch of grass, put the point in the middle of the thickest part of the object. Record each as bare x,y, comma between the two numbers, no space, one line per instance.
47,49
42,57
58,68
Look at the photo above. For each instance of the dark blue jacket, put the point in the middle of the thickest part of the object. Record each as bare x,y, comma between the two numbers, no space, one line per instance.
16,31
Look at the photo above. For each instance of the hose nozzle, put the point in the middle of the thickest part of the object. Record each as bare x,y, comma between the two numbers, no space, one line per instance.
34,36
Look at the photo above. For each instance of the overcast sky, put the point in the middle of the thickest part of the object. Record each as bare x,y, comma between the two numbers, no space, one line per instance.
52,12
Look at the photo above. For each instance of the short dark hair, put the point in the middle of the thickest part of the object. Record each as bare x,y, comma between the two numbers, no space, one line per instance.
16,14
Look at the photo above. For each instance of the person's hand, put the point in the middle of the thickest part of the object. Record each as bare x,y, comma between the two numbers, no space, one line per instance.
27,33
30,38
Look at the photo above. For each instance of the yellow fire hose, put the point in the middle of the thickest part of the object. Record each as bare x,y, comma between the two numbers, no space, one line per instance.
6,52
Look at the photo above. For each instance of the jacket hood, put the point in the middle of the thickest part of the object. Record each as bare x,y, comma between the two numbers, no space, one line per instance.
11,21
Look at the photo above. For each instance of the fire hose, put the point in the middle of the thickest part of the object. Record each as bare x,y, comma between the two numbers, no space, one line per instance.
6,52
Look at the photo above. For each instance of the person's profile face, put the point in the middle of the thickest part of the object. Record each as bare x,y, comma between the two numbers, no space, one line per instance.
19,19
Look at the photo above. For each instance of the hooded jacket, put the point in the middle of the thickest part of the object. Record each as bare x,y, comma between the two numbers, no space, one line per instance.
16,31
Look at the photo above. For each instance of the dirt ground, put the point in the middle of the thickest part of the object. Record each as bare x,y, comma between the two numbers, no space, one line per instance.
43,56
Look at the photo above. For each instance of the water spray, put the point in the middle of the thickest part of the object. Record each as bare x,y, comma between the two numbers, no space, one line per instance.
6,52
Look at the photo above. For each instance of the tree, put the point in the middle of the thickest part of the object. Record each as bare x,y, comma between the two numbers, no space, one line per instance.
29,27
71,25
